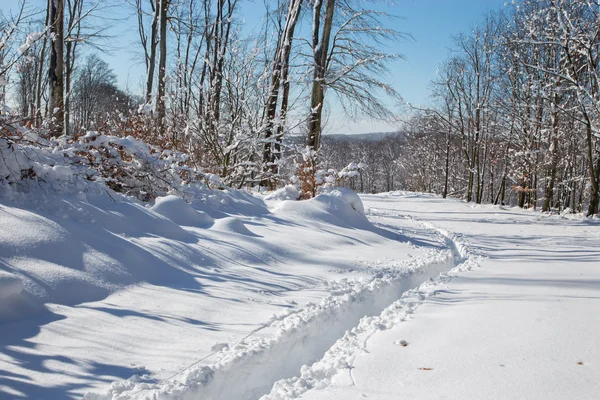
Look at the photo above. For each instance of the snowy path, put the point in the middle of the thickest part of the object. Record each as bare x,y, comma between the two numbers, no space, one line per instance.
523,326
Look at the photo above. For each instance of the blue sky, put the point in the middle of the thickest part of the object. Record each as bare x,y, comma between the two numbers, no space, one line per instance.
430,22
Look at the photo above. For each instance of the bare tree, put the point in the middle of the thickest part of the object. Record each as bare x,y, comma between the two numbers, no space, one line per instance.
279,79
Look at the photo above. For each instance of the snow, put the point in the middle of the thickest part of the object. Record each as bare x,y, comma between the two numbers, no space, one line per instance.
523,325
115,290
10,285
11,300
348,196
29,41
180,212
218,294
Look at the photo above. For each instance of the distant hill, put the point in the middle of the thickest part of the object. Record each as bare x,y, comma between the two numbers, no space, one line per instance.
340,137
366,137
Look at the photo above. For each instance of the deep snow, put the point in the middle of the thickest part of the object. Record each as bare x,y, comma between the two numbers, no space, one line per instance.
228,296
97,290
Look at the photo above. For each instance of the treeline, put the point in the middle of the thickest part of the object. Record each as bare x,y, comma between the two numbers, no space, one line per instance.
514,115
222,97
408,160
517,111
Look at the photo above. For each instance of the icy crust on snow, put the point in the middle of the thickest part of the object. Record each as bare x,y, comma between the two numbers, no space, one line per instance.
249,368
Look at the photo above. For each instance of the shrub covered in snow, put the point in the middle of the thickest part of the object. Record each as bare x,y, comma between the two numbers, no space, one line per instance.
124,164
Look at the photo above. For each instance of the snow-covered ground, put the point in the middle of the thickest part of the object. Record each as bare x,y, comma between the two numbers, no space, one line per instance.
525,325
234,297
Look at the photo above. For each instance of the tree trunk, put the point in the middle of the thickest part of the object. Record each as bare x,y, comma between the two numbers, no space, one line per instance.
56,70
40,73
321,50
447,166
162,68
549,194
594,171
280,76
152,57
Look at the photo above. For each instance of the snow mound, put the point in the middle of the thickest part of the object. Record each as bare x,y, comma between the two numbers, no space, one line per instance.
180,212
336,207
232,225
220,203
69,250
288,192
25,230
348,196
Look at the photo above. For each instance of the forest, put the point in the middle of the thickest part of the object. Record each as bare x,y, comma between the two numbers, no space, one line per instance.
512,118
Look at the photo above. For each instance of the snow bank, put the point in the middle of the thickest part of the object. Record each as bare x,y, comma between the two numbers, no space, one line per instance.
73,248
180,212
340,207
69,250
221,203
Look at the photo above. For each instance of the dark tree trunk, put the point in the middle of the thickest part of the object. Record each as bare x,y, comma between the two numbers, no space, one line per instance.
152,58
162,68
56,70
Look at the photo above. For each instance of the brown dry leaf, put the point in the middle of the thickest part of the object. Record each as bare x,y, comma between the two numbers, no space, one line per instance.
580,363
425,369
